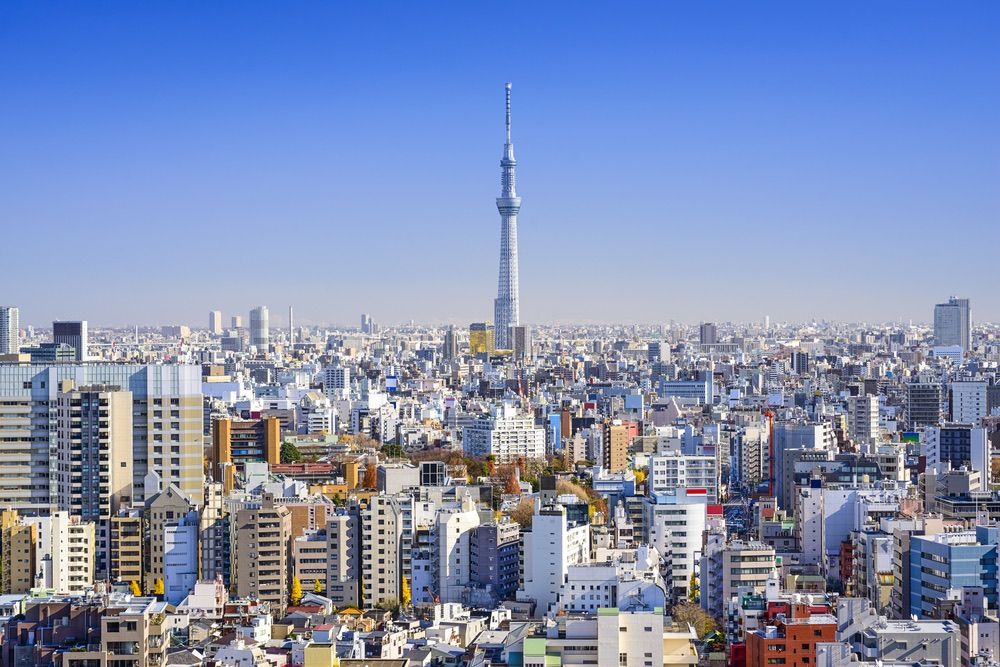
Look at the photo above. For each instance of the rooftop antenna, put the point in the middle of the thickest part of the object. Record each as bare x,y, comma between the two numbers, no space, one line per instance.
507,87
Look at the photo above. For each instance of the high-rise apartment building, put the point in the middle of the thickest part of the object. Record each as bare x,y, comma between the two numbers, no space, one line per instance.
506,308
10,332
236,322
73,334
261,553
214,535
617,437
968,401
64,553
94,457
336,381
343,568
953,323
260,328
505,435
862,418
494,550
381,551
166,438
215,322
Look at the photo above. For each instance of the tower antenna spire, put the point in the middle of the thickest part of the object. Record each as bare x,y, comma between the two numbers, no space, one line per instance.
508,111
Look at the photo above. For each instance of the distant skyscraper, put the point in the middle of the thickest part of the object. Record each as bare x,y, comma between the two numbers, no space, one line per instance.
708,334
366,323
450,350
520,341
260,330
215,322
236,322
10,334
291,327
953,323
73,334
506,308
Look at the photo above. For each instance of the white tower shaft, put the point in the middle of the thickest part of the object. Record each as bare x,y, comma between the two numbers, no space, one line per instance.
507,305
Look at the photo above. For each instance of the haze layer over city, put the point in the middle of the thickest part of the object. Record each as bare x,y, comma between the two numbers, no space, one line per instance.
530,335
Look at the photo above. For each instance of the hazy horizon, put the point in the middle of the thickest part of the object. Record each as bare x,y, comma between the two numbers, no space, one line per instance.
709,162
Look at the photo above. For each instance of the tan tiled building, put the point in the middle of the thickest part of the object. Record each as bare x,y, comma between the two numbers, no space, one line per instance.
261,553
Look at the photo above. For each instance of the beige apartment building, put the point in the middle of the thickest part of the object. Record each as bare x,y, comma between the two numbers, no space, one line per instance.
746,564
136,634
167,424
261,553
128,546
94,457
381,557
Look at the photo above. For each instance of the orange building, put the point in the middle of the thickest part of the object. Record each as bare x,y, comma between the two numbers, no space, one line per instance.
237,441
790,642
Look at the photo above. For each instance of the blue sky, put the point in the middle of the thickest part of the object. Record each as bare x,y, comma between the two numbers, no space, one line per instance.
680,161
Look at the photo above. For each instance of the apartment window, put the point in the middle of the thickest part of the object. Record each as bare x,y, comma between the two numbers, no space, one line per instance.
623,659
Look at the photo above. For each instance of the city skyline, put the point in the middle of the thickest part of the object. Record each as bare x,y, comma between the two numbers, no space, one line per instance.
799,162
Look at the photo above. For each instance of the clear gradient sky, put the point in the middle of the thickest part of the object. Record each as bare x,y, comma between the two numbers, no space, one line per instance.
681,161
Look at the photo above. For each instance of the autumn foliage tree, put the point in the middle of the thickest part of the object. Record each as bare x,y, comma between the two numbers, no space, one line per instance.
523,513
405,594
371,476
296,595
693,615
134,589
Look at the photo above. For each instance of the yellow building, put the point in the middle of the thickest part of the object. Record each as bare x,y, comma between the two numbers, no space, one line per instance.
321,655
17,541
482,338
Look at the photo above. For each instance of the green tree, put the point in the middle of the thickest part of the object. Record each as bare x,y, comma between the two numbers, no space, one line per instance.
290,453
393,451
296,594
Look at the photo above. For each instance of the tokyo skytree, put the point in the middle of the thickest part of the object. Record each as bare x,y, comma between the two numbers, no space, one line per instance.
506,308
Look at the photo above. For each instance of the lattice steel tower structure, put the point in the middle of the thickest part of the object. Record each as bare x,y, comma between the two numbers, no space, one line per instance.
506,308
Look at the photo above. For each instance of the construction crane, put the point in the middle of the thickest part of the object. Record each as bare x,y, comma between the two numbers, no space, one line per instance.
769,414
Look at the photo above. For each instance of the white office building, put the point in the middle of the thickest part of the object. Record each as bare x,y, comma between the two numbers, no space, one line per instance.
862,418
967,401
551,547
505,435
454,561
673,470
10,333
